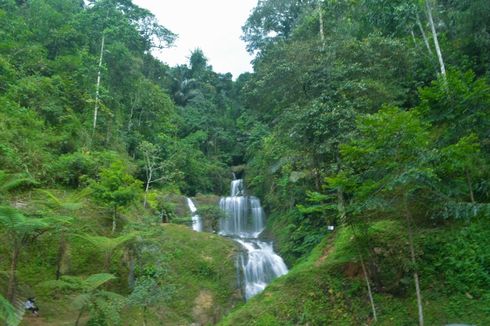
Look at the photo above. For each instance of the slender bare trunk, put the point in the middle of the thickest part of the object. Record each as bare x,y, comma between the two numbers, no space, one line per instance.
13,269
114,217
424,36
99,73
145,313
408,217
368,285
340,194
61,254
320,16
470,185
80,313
132,267
107,261
414,39
436,40
147,187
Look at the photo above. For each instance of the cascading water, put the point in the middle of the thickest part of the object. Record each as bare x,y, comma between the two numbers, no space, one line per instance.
244,222
196,219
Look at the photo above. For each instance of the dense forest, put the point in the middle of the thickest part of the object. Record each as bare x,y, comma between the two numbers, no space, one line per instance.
364,128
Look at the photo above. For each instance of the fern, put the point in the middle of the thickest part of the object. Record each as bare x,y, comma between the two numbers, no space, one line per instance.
465,210
10,182
8,313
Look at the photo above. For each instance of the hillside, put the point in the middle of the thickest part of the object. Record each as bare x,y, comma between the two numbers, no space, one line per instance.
357,148
328,287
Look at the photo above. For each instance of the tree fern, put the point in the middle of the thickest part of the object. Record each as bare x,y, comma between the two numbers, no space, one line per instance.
8,313
9,182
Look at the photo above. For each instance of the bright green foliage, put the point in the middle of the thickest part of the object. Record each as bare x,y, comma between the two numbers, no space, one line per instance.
459,109
211,215
115,188
8,313
108,245
390,156
11,182
103,306
149,291
21,230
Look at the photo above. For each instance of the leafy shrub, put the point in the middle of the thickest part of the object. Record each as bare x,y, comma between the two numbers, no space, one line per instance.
461,259
70,169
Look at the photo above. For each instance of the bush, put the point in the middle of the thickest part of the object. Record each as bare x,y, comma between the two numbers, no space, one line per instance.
71,169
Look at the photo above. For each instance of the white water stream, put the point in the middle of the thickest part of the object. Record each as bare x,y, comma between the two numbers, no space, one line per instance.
244,223
196,219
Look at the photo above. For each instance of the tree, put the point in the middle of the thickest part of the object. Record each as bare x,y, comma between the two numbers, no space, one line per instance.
272,21
155,169
64,206
108,245
11,182
211,214
442,65
8,313
102,305
118,15
115,188
464,160
20,231
389,164
149,291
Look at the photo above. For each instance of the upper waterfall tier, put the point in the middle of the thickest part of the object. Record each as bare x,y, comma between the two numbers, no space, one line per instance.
244,216
237,188
196,219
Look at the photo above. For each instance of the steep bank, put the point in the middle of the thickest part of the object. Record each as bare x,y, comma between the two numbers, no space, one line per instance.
328,287
195,271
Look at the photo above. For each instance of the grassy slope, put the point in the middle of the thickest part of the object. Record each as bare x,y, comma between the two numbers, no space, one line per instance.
327,288
201,268
202,272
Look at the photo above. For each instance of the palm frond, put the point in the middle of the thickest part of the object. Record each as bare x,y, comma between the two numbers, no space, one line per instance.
108,244
96,280
81,300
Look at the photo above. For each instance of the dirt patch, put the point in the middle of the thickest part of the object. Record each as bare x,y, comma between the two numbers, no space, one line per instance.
326,252
203,308
353,270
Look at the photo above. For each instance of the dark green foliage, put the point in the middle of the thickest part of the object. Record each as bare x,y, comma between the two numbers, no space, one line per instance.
115,187
211,215
461,260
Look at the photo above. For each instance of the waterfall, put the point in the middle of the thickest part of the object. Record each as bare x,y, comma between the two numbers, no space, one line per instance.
244,222
196,219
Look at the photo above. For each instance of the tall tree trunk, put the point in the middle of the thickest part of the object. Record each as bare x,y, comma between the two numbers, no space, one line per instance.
436,40
340,194
61,254
368,285
107,261
145,313
470,185
13,269
147,187
424,36
114,217
408,217
320,17
132,267
97,88
80,313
